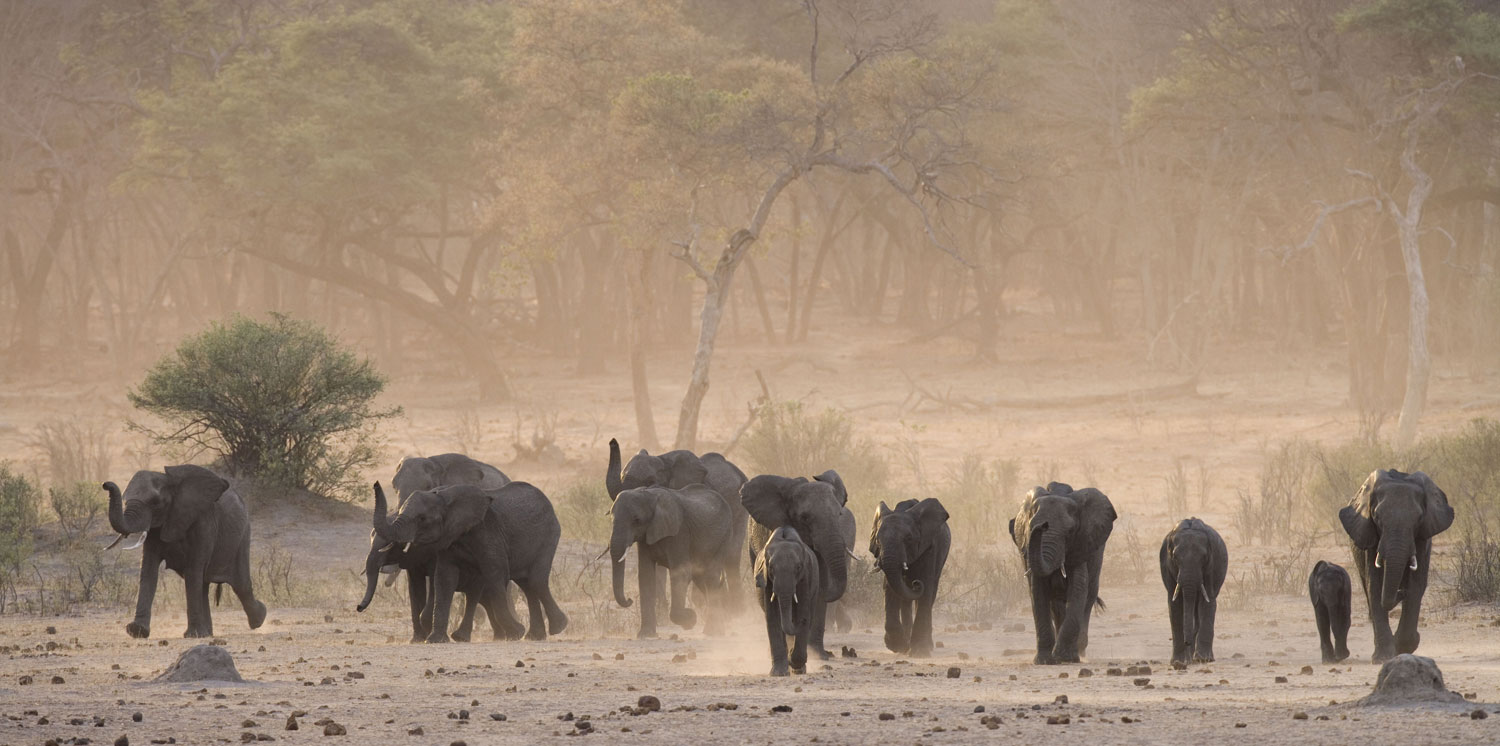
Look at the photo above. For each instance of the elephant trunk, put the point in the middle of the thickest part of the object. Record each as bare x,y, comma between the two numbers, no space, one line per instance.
612,481
836,556
373,563
123,518
1050,551
618,543
1189,585
1395,555
399,531
894,565
787,606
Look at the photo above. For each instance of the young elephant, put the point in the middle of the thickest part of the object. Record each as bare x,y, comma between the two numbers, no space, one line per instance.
815,508
198,525
1391,523
1330,590
1061,533
689,532
491,537
910,546
1194,562
787,575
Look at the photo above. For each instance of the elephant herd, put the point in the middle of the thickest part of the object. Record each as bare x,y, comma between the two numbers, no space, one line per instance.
462,526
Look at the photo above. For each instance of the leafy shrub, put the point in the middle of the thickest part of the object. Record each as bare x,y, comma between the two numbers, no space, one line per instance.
582,508
18,516
279,400
78,507
788,440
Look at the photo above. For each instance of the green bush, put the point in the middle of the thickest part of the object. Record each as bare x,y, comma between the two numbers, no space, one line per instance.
279,400
18,516
788,440
77,507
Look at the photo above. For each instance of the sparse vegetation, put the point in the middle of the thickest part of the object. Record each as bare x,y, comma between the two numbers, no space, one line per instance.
279,400
78,507
787,439
74,452
18,516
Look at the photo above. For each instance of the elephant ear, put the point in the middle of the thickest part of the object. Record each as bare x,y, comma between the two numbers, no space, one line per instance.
1096,517
666,518
683,469
1168,575
462,471
930,515
464,509
1356,515
832,477
765,499
1439,515
194,490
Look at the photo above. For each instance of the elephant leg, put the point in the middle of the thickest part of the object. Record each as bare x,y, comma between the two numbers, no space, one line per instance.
799,652
842,621
1407,635
200,620
819,622
557,621
1203,647
1341,618
465,630
663,593
255,611
416,591
777,637
1179,645
140,627
646,573
681,615
1041,619
536,628
1074,609
921,627
1325,629
1380,624
444,585
896,639
713,604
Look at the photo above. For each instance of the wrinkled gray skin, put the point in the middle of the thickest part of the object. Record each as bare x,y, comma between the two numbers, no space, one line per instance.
423,474
197,525
838,612
688,532
1061,534
1194,562
815,508
1391,522
676,470
787,576
1331,592
910,545
494,537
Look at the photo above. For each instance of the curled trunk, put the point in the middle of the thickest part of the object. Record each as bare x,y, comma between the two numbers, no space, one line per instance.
617,546
895,579
1395,555
612,482
397,531
125,519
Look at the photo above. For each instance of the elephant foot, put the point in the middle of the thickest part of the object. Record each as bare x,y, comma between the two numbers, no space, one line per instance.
1179,665
556,624
920,649
198,632
460,635
1044,659
799,670
1203,656
646,634
819,653
256,614
138,631
896,643
780,669
685,618
1382,656
536,633
1340,654
418,638
1408,644
1065,656
437,638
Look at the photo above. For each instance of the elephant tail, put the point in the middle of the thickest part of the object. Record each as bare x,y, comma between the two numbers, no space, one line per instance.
218,593
1100,603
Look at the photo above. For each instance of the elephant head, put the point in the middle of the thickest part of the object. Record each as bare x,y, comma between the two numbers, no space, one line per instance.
1187,552
431,520
647,514
814,508
172,501
787,568
674,469
902,536
1059,527
384,554
427,473
1390,516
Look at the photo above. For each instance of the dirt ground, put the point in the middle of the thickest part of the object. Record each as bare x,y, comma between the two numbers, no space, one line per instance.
323,659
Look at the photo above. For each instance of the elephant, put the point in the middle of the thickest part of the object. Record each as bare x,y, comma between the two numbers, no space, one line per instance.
675,470
1391,522
838,611
419,565
814,507
787,576
1330,589
420,474
195,522
494,536
910,545
687,531
1194,563
1061,533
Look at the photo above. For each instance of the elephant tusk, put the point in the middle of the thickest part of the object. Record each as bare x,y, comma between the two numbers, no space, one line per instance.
116,542
904,567
794,598
138,543
1064,570
1204,590
1177,591
390,578
387,547
406,547
850,552
1412,565
601,554
1377,560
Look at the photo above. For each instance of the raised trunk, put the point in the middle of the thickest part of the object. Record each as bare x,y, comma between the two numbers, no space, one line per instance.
1394,554
617,546
612,483
398,531
125,520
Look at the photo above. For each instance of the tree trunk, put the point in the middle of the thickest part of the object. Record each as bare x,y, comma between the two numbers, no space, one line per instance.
1418,364
760,301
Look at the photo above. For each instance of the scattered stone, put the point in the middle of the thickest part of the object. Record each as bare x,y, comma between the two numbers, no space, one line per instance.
598,657
648,703
978,708
417,731
847,652
291,722
1142,682
202,663
247,737
137,717
520,664
1058,720
58,680
498,717
1084,673
1307,670
781,708
619,656
334,729
122,741
247,723
991,721
1060,699
1478,715
1299,715
1240,725
1409,679
1281,679
954,672
885,716
1114,672
25,681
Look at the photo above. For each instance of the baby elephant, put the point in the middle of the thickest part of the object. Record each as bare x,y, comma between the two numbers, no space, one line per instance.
786,573
1330,590
1194,562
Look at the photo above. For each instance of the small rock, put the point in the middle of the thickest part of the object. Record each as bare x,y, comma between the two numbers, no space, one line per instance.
1058,720
1478,715
137,717
520,664
598,657
498,717
1240,725
247,723
247,737
1128,719
25,681
619,656
1299,715
417,731
1060,699
51,630
1084,673
58,680
781,708
954,672
122,741
886,716
291,722
649,703
1142,682
978,708
848,652
1307,670
334,729
1281,679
